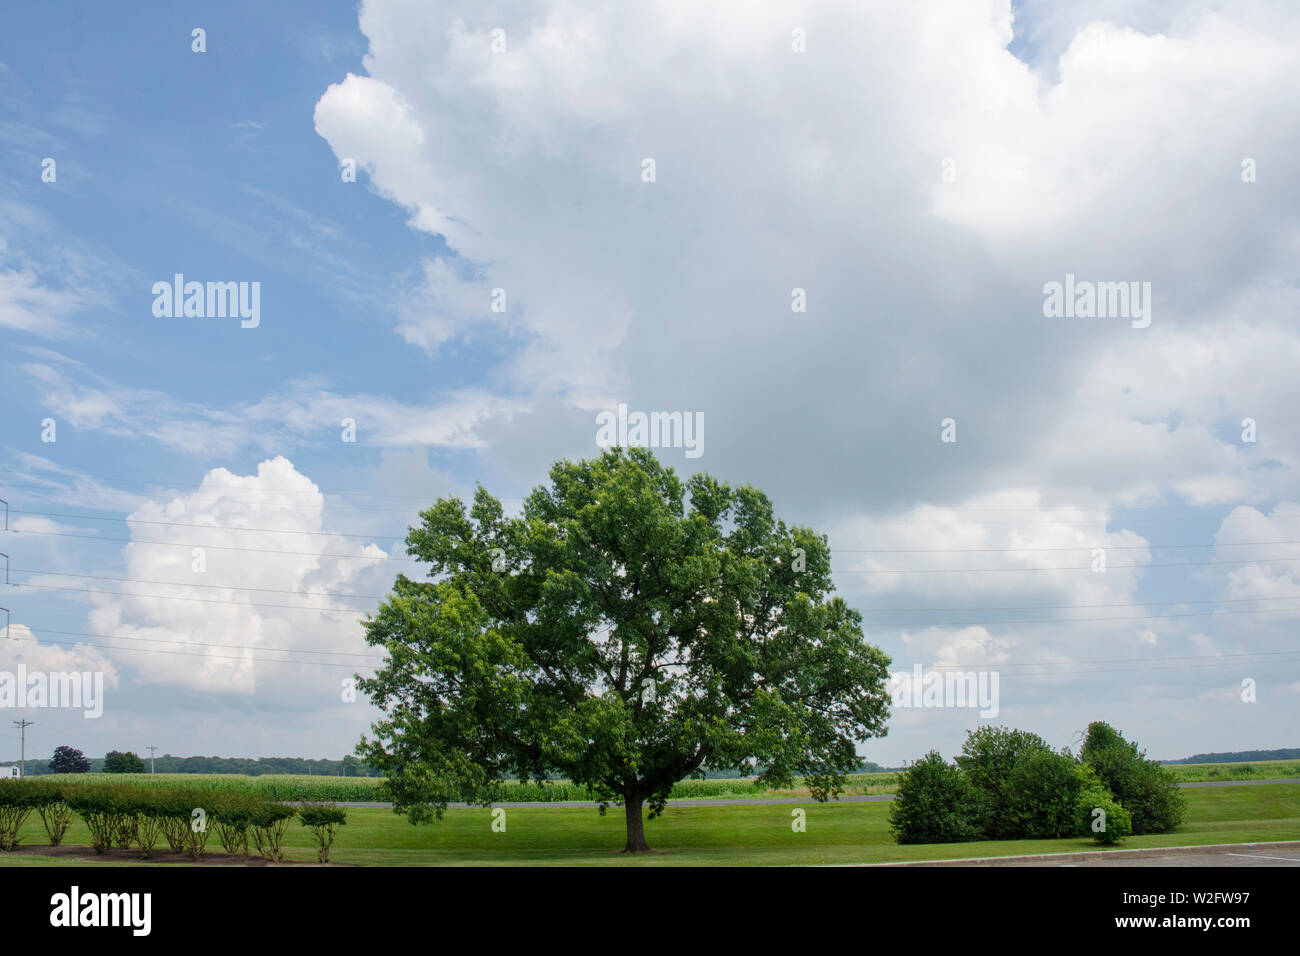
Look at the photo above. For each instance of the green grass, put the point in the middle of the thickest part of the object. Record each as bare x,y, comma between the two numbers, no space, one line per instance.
736,835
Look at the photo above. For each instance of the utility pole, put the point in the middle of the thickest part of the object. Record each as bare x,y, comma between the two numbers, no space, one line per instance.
151,750
22,726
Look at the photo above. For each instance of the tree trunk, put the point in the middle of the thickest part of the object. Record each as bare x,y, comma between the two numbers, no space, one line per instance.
635,825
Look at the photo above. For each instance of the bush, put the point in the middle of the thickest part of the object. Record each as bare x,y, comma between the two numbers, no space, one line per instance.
99,807
16,802
324,820
1042,796
1145,789
234,813
935,803
56,815
269,823
1109,826
989,756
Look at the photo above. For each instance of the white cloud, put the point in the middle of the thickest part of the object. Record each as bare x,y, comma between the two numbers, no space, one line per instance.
235,596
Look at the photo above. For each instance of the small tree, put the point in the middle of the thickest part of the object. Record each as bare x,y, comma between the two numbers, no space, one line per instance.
935,803
69,760
118,762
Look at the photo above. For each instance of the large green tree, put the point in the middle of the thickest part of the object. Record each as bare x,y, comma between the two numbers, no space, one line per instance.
626,628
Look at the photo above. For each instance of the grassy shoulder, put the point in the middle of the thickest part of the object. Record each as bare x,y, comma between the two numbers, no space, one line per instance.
751,835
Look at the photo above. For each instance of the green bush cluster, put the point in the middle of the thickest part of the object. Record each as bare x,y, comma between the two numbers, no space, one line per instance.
1009,785
128,814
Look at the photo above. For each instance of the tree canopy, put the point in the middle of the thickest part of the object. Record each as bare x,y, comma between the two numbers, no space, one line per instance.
115,761
626,628
69,760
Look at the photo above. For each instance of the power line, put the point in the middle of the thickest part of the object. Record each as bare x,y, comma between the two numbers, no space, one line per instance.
369,494
834,550
882,610
219,547
49,487
251,647
63,493
1081,620
385,557
1110,660
1079,567
208,527
198,600
1145,663
274,491
190,584
151,650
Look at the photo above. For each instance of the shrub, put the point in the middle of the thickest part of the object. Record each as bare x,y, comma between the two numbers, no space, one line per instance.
233,813
989,756
1109,826
16,802
1042,796
935,803
56,817
324,820
269,822
98,806
1145,789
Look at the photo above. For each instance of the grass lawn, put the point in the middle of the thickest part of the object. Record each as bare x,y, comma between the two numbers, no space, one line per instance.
737,835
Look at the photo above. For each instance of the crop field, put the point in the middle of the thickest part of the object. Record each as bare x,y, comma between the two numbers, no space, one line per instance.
836,833
365,789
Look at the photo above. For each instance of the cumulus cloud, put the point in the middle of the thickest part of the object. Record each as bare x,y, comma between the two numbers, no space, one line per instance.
238,574
824,171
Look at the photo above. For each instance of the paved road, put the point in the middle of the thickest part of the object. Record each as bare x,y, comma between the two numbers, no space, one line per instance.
747,801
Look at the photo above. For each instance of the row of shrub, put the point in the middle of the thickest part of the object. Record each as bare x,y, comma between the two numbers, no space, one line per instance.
127,815
288,787
1010,784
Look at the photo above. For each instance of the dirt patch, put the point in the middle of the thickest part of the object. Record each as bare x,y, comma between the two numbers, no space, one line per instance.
165,855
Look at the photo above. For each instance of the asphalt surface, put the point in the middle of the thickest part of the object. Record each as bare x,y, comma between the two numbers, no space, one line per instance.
748,801
1219,855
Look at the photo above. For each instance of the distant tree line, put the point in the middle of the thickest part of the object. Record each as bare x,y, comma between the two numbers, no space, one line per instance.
70,760
1241,756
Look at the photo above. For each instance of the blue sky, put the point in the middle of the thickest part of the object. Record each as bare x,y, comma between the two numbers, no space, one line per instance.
1071,127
